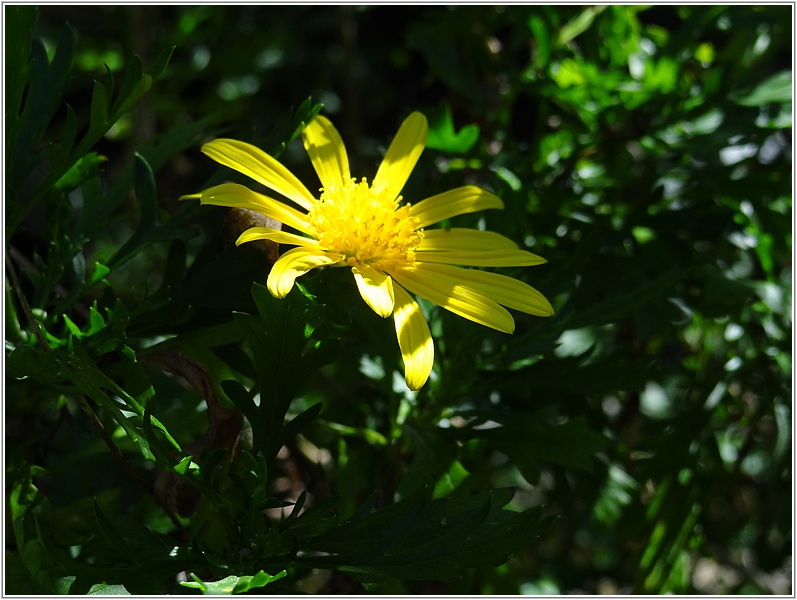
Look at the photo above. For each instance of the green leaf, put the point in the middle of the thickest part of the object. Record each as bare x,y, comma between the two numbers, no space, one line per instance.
100,271
530,440
27,506
69,131
451,479
134,85
288,127
160,63
434,455
86,167
98,123
443,137
105,589
139,546
19,24
105,110
512,180
300,422
616,306
578,24
78,373
284,355
541,35
781,119
777,88
239,396
144,185
234,584
184,465
43,97
617,493
147,231
369,435
594,377
162,454
419,538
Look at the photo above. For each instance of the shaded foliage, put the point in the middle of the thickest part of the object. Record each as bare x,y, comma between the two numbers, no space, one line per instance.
168,421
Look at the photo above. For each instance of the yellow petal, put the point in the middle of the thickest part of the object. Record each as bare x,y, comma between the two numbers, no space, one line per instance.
326,151
461,200
505,290
253,162
451,295
239,196
457,238
401,156
294,263
376,289
414,338
486,258
275,235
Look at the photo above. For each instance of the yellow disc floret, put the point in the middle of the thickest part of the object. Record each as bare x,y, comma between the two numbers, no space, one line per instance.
368,227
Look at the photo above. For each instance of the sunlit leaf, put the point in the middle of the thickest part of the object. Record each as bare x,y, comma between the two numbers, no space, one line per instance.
442,135
234,584
777,88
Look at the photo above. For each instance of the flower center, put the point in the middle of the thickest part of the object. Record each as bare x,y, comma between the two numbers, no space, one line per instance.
366,226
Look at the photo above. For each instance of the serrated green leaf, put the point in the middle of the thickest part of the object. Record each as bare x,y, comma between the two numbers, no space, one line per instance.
134,85
234,584
283,357
115,539
77,372
421,539
43,96
434,455
20,21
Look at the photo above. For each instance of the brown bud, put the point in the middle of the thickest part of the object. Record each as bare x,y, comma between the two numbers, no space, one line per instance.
240,219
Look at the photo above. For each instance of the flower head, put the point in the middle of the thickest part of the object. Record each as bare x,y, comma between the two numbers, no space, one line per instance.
367,227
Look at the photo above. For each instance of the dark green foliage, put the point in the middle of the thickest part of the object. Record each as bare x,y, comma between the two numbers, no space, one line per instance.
173,428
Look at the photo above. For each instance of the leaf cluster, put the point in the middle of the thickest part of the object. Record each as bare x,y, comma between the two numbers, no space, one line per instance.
173,428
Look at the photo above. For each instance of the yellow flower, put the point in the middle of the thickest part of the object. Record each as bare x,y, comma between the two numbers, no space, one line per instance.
384,241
